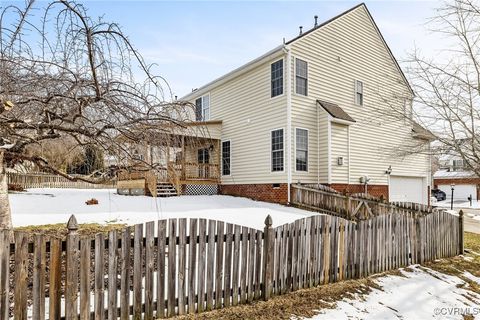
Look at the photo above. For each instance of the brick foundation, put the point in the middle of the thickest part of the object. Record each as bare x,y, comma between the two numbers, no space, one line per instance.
262,192
373,190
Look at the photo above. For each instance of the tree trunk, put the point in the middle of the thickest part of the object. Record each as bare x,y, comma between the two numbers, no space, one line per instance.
5,214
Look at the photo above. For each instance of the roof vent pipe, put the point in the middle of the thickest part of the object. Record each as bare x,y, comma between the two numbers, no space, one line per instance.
301,31
316,21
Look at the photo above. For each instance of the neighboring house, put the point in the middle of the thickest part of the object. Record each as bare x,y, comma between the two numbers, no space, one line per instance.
308,111
452,171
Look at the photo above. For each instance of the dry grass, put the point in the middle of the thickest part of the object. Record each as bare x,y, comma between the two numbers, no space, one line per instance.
301,303
469,262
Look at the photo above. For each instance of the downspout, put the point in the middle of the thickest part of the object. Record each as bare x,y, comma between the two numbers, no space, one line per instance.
318,144
329,150
289,121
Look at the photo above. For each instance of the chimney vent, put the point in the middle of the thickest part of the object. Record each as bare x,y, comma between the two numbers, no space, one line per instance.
301,31
316,21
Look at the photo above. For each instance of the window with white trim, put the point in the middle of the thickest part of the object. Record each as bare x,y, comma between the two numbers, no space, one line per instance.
301,151
358,92
202,108
277,150
277,78
226,158
301,77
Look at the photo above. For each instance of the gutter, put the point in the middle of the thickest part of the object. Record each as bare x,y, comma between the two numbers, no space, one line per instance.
278,51
289,119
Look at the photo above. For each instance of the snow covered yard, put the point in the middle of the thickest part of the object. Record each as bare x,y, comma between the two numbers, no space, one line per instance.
419,293
48,206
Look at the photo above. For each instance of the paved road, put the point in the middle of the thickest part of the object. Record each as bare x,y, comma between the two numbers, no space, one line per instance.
471,225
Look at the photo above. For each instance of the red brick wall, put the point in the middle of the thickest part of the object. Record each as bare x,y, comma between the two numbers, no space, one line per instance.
373,190
476,181
262,192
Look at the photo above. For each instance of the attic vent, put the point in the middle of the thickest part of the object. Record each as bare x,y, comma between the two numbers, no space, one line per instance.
301,31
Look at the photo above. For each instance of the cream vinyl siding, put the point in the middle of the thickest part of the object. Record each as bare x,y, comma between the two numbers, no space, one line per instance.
345,50
339,149
248,115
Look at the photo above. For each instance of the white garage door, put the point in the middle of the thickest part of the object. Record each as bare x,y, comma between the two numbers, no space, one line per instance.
407,189
461,192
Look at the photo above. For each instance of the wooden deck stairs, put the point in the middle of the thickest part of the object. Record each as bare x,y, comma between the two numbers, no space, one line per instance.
166,190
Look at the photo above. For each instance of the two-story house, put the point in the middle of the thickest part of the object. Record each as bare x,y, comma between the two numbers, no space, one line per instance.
452,172
313,110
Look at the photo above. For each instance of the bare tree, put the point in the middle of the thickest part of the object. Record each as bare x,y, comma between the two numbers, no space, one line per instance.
64,75
447,86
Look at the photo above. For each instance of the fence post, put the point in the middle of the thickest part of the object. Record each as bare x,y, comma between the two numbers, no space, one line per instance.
71,286
268,247
348,205
460,231
4,273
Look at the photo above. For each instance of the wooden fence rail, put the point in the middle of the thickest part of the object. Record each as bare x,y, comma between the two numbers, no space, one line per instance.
352,207
178,266
42,180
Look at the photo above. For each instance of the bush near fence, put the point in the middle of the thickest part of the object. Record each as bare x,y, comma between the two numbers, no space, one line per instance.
43,180
177,266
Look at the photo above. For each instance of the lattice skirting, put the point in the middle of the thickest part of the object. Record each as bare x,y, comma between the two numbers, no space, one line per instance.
201,189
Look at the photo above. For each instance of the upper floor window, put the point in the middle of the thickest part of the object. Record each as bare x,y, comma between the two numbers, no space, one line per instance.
359,92
277,78
301,151
277,150
301,79
202,108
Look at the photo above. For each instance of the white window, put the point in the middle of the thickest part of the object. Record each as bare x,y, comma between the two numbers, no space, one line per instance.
277,150
301,77
359,92
301,151
202,108
276,78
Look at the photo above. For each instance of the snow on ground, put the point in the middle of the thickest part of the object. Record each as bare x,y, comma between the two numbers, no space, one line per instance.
458,204
421,294
46,206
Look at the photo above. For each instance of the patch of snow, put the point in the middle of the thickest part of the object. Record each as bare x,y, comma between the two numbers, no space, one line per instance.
46,206
421,294
471,277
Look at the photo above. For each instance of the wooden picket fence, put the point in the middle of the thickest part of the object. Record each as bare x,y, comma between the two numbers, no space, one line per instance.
177,266
43,180
353,207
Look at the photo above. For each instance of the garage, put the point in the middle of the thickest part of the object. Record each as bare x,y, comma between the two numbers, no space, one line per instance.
461,192
407,189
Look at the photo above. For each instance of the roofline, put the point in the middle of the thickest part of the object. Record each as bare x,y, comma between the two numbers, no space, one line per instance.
273,53
376,28
324,23
236,72
203,123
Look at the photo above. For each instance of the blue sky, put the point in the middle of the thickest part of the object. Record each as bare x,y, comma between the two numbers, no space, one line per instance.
196,42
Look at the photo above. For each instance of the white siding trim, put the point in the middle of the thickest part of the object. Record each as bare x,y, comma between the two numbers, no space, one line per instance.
329,149
318,143
348,154
289,121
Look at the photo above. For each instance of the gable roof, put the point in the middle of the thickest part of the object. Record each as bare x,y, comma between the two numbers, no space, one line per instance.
335,111
280,50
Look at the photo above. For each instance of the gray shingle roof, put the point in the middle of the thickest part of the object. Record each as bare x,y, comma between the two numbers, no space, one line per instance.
335,111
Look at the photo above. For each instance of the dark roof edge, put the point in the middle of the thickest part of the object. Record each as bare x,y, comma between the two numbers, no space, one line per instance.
325,23
376,27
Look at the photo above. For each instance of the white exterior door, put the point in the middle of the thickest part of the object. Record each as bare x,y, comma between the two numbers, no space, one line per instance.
461,192
407,189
